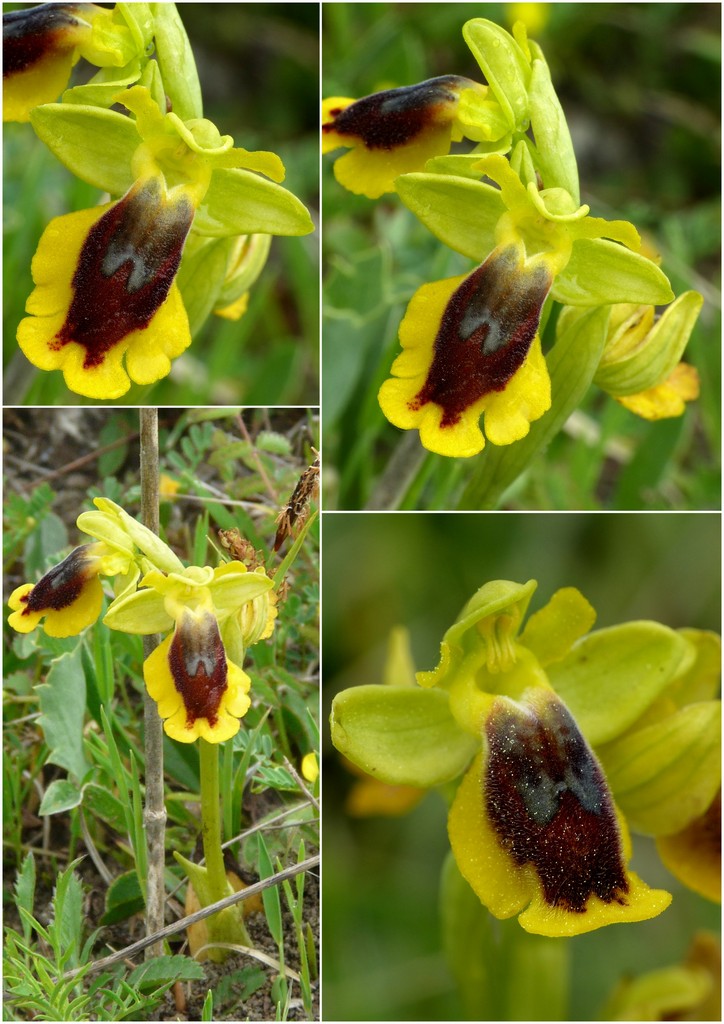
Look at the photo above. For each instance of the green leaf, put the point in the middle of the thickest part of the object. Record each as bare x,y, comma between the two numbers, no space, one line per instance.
571,363
176,61
95,145
62,703
61,795
270,895
461,212
613,675
666,774
25,891
241,202
124,898
504,65
401,735
102,804
165,970
600,272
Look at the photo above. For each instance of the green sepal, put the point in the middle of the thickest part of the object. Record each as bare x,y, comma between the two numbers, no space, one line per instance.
654,360
141,613
602,272
499,597
95,145
555,156
505,67
106,528
241,203
232,590
176,60
613,675
461,212
401,735
701,682
666,774
571,364
244,270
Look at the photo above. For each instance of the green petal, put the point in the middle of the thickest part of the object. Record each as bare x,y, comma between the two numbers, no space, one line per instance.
140,613
94,144
601,272
666,774
612,676
551,632
504,65
104,86
461,212
401,735
241,203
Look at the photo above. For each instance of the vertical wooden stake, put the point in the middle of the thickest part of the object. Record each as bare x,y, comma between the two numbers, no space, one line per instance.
154,815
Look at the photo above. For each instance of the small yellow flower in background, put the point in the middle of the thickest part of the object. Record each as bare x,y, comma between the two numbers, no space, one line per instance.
310,767
167,486
693,855
392,132
235,310
668,398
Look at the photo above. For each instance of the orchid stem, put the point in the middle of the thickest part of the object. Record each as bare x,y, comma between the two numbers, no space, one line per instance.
211,819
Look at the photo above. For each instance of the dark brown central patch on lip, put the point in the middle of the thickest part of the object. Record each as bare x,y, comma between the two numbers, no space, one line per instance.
386,120
485,334
61,585
125,270
198,665
550,806
32,34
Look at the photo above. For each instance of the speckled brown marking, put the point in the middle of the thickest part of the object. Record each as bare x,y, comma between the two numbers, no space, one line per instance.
550,806
198,665
485,334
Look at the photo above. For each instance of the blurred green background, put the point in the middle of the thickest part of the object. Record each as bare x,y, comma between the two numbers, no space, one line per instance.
381,953
640,85
259,71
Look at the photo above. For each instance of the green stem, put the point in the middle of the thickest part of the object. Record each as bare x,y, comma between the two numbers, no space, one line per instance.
211,820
